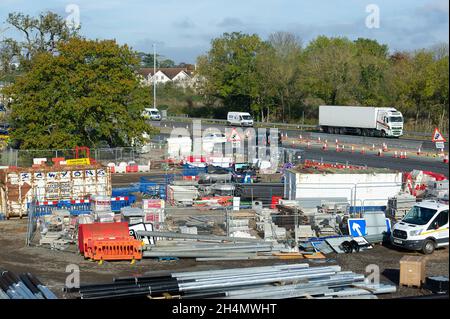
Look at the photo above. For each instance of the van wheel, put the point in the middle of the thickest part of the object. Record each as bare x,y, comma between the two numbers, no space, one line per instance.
428,247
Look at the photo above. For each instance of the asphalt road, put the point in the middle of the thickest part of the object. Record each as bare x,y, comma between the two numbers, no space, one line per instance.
390,142
427,164
404,165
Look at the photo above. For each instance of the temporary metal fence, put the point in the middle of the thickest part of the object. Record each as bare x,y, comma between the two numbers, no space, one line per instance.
24,158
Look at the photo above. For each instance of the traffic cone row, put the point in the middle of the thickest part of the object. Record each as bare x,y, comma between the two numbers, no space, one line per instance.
403,155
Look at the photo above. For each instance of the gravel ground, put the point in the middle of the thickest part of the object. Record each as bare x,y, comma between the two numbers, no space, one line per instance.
50,266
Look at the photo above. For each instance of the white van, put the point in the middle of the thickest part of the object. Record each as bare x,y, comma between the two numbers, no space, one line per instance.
424,228
239,119
151,114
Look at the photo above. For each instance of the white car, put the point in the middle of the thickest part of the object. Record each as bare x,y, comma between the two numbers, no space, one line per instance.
215,138
151,114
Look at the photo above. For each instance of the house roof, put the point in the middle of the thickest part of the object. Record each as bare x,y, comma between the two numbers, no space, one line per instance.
169,72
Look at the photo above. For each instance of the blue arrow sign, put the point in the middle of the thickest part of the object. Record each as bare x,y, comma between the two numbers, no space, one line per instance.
388,225
357,227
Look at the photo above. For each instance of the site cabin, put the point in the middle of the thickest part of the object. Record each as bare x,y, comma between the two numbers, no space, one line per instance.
424,228
239,119
361,120
367,189
152,114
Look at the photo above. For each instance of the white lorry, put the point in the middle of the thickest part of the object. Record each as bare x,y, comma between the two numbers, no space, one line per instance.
239,119
424,227
361,120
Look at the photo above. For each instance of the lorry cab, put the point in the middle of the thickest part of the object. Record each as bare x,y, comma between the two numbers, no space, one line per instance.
239,119
390,122
424,228
152,114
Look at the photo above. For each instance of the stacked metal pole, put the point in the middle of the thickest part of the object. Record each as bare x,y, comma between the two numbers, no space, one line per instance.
25,286
255,282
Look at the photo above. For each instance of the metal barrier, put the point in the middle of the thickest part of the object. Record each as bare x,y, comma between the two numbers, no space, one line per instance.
121,201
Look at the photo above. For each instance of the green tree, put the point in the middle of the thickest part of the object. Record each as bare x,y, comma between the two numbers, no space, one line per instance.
285,71
230,72
87,94
161,62
39,34
373,63
331,70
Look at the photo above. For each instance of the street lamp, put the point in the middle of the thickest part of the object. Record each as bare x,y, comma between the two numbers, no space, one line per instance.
154,76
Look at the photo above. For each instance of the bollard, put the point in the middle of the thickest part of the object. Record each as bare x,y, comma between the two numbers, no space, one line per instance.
337,147
300,137
324,147
419,151
385,149
373,147
353,149
380,152
363,151
395,154
446,159
318,139
308,145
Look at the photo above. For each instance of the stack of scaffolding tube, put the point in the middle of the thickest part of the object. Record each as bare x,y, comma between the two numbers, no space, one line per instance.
24,286
299,281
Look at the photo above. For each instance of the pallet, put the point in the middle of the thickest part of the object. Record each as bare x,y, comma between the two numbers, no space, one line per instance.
410,286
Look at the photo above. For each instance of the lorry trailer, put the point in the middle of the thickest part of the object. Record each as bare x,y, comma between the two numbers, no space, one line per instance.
361,120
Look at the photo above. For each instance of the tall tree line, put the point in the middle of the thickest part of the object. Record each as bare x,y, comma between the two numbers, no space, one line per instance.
280,79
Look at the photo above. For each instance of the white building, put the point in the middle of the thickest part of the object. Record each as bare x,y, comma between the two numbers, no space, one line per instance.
358,188
183,77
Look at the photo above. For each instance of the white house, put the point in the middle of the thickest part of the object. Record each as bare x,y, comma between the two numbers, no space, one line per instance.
180,76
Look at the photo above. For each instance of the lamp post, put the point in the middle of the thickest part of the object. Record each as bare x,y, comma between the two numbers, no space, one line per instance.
154,76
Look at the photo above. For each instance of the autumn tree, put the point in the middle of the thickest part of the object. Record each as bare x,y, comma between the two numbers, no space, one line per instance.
87,94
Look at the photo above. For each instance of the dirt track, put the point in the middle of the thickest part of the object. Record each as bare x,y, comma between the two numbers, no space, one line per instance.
50,265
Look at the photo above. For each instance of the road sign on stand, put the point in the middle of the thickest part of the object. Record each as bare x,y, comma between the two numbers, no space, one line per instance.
357,227
235,138
440,145
388,225
437,136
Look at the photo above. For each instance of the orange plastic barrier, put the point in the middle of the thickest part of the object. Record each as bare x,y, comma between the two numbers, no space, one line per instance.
113,249
108,241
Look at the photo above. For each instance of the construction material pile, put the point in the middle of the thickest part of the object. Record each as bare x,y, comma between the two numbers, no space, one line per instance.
208,247
297,281
24,286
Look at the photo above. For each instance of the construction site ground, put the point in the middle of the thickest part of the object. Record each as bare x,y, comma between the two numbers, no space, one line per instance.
50,265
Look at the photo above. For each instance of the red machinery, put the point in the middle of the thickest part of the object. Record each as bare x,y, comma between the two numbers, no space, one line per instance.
108,241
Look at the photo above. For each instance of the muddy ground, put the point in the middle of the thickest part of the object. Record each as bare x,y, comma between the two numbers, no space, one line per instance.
50,265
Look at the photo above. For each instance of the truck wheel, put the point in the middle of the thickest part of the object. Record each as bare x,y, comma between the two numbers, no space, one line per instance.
383,134
364,132
428,247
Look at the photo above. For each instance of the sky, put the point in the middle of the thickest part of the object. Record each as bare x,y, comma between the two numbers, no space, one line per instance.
183,29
